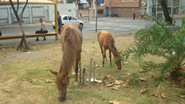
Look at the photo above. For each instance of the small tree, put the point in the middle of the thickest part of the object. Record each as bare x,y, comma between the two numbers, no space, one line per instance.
164,6
160,41
23,43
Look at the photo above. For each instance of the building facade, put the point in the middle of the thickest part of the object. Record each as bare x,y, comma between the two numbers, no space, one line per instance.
123,8
32,13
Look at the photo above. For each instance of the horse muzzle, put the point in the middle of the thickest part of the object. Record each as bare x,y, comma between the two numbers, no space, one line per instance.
62,98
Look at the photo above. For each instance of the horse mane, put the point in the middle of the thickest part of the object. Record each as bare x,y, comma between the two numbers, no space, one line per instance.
71,44
113,47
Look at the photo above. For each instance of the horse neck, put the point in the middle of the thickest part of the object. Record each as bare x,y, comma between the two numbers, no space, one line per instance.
71,44
114,51
113,48
68,60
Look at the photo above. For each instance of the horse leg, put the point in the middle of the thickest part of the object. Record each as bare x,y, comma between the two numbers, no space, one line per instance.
104,56
110,57
78,62
101,50
76,70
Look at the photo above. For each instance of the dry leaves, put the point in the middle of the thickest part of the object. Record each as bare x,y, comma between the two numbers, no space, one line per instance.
116,87
118,82
142,91
163,96
142,79
114,102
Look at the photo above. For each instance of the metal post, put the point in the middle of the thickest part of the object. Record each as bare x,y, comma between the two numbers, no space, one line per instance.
110,12
156,7
88,14
179,6
9,16
94,67
80,71
96,15
56,18
90,70
83,76
172,9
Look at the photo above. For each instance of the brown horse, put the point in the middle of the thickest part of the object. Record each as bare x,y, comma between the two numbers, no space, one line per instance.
106,41
71,38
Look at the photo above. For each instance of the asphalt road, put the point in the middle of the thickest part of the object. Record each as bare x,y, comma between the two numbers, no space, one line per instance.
113,25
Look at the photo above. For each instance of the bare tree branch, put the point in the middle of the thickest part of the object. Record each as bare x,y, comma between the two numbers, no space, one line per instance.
24,7
15,12
17,6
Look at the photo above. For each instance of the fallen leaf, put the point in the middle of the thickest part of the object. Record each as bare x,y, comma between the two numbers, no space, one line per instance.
142,79
124,85
141,70
48,81
181,96
113,102
109,85
118,82
116,87
125,62
142,91
163,96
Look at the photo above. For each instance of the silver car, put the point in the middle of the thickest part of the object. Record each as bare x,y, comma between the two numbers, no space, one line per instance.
66,19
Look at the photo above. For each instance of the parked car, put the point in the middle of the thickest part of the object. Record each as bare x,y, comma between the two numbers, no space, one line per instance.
66,19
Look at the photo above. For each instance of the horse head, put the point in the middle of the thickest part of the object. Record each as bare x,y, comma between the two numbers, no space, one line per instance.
117,56
118,61
62,81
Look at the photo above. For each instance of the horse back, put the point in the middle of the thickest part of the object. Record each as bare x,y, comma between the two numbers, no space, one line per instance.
72,34
105,39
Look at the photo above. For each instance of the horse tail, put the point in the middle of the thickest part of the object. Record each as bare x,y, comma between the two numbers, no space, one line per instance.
71,44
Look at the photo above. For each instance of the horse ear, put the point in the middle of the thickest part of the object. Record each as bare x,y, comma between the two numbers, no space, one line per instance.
53,72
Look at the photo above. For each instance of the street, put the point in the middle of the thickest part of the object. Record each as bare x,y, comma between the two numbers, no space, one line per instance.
113,25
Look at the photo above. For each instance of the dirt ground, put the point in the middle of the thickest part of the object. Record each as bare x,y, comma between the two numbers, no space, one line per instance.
25,78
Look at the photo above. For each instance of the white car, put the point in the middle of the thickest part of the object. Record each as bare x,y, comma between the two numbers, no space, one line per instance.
66,19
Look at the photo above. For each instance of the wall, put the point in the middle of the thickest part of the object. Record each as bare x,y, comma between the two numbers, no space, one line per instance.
31,14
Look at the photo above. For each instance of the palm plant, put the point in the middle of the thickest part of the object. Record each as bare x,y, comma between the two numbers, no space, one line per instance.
159,40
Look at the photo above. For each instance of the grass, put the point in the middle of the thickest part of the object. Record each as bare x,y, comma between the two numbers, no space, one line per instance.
24,76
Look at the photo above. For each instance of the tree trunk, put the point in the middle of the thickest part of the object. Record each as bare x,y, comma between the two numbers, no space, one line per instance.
23,43
168,19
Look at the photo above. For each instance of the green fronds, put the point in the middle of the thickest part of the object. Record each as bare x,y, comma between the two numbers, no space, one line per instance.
159,40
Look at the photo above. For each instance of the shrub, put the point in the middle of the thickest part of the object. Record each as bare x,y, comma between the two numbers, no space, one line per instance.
159,40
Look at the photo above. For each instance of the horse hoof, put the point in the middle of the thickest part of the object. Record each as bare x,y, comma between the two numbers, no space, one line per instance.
62,99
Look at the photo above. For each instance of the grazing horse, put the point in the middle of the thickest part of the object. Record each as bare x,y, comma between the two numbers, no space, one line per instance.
106,41
71,38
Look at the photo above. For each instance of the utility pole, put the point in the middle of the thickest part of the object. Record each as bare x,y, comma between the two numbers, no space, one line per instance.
179,6
149,7
156,7
96,15
172,5
110,11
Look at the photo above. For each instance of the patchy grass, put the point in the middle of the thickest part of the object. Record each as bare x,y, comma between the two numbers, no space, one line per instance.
25,78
